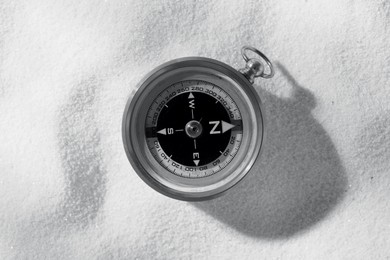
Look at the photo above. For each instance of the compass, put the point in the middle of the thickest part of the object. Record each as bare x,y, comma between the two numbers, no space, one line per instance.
195,126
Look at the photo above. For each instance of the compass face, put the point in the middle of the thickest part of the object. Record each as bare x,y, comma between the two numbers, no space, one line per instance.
193,128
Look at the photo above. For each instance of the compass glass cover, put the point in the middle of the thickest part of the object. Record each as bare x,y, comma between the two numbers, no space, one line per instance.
193,128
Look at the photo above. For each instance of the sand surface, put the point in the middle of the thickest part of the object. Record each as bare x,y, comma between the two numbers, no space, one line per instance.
321,189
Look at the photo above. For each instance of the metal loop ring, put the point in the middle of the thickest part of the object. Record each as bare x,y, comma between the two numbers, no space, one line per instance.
271,68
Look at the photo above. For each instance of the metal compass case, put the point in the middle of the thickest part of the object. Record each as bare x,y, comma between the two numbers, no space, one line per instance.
195,126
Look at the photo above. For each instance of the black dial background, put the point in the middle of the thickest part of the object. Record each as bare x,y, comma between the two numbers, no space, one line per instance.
178,113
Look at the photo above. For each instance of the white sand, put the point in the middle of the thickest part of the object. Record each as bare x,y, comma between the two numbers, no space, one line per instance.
320,191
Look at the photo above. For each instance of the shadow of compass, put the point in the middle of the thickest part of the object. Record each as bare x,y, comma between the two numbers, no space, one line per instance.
298,179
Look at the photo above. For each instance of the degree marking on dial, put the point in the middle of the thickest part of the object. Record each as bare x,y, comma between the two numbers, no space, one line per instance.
150,132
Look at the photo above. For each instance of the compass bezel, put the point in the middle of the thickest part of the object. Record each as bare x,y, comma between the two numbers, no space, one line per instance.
134,139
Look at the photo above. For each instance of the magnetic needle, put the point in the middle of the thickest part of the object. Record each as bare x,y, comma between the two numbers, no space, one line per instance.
195,126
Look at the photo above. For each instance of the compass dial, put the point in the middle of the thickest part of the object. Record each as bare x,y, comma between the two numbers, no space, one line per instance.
193,128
